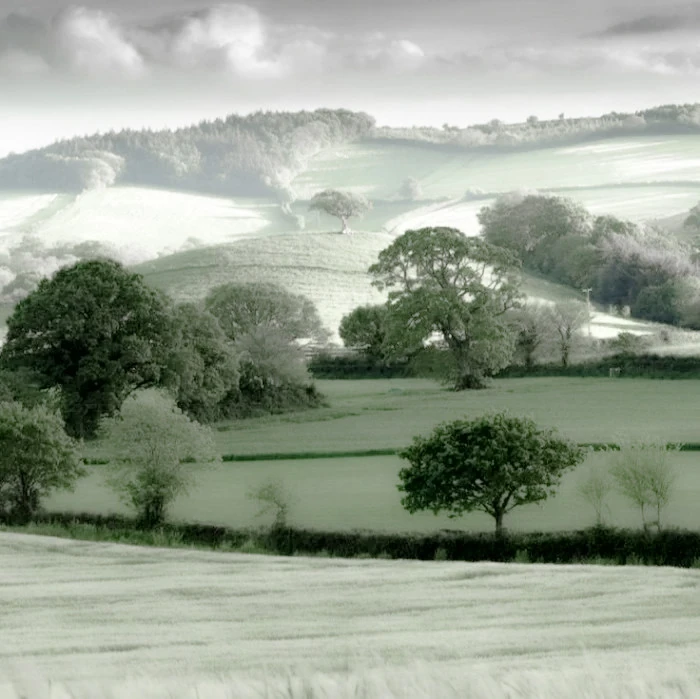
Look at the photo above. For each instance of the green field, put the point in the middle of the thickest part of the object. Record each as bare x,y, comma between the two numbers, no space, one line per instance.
360,492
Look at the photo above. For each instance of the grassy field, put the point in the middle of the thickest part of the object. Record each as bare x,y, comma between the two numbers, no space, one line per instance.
93,617
360,492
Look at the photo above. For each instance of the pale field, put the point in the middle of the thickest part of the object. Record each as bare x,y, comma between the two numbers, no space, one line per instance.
93,617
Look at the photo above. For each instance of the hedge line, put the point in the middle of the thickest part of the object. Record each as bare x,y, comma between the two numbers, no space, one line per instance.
291,456
670,547
650,366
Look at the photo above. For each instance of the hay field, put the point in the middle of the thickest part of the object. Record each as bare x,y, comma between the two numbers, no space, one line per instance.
94,616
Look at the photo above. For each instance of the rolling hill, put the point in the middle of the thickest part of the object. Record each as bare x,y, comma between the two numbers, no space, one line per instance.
187,243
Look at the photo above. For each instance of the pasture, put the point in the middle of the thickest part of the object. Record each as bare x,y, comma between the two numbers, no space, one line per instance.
350,492
155,622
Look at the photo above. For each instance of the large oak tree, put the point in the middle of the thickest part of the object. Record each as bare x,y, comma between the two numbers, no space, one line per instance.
95,331
441,281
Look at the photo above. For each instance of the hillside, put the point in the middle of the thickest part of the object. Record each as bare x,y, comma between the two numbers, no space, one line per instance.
105,613
186,242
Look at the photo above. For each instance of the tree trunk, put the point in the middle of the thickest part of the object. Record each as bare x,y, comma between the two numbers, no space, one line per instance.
498,516
346,229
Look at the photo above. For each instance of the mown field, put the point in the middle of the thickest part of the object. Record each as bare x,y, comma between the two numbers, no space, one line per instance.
135,621
360,492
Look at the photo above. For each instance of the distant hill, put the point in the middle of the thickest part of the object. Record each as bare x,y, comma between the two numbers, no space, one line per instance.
262,153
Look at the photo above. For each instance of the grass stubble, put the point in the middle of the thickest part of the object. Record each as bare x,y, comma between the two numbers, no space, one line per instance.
86,619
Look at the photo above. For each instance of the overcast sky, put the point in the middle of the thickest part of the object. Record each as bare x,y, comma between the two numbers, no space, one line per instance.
70,69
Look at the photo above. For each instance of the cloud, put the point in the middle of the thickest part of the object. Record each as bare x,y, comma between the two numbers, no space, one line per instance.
92,42
651,24
228,40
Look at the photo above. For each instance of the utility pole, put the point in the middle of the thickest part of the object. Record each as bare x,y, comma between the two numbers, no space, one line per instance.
588,307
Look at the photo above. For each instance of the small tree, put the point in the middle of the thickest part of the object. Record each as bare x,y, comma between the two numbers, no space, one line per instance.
566,319
644,475
594,490
275,497
36,457
531,323
411,189
342,205
493,464
155,443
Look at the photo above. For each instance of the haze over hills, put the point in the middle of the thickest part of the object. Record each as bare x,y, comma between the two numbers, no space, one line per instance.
228,199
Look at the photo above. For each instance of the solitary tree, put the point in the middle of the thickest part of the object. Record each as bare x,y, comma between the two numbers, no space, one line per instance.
36,457
492,464
95,331
342,205
594,489
565,320
155,446
411,189
443,282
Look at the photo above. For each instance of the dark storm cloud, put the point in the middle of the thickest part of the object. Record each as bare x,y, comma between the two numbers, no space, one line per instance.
653,24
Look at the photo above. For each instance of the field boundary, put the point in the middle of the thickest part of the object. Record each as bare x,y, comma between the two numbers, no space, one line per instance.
307,455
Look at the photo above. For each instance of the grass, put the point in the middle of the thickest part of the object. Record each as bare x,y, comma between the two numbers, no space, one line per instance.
132,619
353,491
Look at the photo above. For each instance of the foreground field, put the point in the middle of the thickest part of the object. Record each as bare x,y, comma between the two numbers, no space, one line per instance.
95,616
360,492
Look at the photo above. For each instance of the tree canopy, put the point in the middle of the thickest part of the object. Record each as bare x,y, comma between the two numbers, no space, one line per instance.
342,205
441,281
95,331
203,366
36,458
155,447
491,464
242,308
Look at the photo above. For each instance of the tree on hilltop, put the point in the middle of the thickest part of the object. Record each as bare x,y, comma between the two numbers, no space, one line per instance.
441,281
342,205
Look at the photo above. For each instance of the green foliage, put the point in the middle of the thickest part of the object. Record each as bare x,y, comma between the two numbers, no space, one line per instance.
442,281
342,205
274,497
96,332
244,308
491,464
36,457
325,366
628,343
532,324
154,444
202,366
596,545
365,329
644,475
531,225
264,323
666,303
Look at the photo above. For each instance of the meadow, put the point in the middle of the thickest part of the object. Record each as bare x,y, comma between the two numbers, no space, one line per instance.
116,620
347,492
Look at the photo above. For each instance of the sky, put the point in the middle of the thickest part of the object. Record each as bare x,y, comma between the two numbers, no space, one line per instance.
70,69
